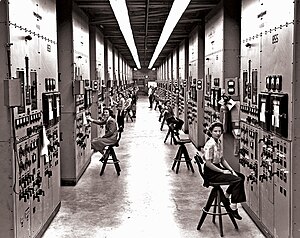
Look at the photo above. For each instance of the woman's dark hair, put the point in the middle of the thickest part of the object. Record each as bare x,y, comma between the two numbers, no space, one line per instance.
166,102
111,113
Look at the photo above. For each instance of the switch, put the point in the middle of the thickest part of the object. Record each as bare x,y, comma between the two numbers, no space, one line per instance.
272,82
268,82
278,82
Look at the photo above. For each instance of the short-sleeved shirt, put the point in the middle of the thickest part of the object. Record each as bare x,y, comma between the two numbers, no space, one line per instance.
213,151
128,103
121,104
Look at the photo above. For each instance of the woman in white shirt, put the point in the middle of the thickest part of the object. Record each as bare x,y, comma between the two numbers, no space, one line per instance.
217,169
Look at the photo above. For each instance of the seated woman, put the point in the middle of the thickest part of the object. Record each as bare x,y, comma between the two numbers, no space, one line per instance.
174,122
110,136
216,169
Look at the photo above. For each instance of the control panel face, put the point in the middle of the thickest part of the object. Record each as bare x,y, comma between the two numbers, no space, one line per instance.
267,100
35,121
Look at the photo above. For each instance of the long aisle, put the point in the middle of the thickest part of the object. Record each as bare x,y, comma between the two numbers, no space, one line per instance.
148,199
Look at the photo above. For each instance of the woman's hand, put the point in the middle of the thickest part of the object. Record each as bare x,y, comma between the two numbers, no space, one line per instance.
226,171
89,118
234,173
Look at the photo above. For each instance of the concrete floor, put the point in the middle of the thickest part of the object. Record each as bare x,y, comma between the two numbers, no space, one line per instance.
147,200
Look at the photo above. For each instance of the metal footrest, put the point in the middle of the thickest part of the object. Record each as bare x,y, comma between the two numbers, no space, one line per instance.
112,162
182,159
215,213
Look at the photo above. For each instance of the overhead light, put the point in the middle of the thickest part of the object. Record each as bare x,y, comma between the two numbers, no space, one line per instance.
120,10
175,14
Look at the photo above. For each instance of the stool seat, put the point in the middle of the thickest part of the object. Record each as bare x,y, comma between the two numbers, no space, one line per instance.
218,184
182,141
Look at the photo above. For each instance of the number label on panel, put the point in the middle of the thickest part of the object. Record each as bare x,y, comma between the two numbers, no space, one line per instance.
275,39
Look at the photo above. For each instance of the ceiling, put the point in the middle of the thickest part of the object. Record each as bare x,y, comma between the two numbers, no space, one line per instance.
147,19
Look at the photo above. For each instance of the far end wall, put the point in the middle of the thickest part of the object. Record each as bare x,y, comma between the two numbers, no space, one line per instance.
141,78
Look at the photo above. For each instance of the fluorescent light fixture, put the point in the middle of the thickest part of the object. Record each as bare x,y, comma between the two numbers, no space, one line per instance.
175,14
121,13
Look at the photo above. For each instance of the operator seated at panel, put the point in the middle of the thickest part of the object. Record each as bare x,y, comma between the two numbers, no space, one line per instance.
216,169
110,136
174,122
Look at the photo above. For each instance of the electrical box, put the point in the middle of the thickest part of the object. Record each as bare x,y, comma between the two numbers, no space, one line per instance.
12,92
254,86
199,84
48,111
216,82
87,98
56,107
264,116
279,114
34,90
215,98
207,84
245,83
231,88
20,74
95,85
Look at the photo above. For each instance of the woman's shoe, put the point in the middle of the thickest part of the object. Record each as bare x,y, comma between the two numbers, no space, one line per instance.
236,214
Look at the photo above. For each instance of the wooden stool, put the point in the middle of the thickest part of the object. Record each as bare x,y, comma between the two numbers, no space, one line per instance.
113,160
216,197
182,154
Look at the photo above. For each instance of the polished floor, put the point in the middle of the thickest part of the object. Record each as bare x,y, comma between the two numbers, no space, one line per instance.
148,199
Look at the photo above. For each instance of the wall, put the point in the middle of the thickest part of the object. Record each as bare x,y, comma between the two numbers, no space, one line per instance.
142,76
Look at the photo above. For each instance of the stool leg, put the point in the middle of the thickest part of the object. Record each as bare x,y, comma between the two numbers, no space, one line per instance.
162,123
210,200
233,221
167,136
106,155
188,160
215,210
172,136
219,211
116,163
176,160
227,207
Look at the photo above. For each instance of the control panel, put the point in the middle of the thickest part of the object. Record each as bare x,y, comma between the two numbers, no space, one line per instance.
31,117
